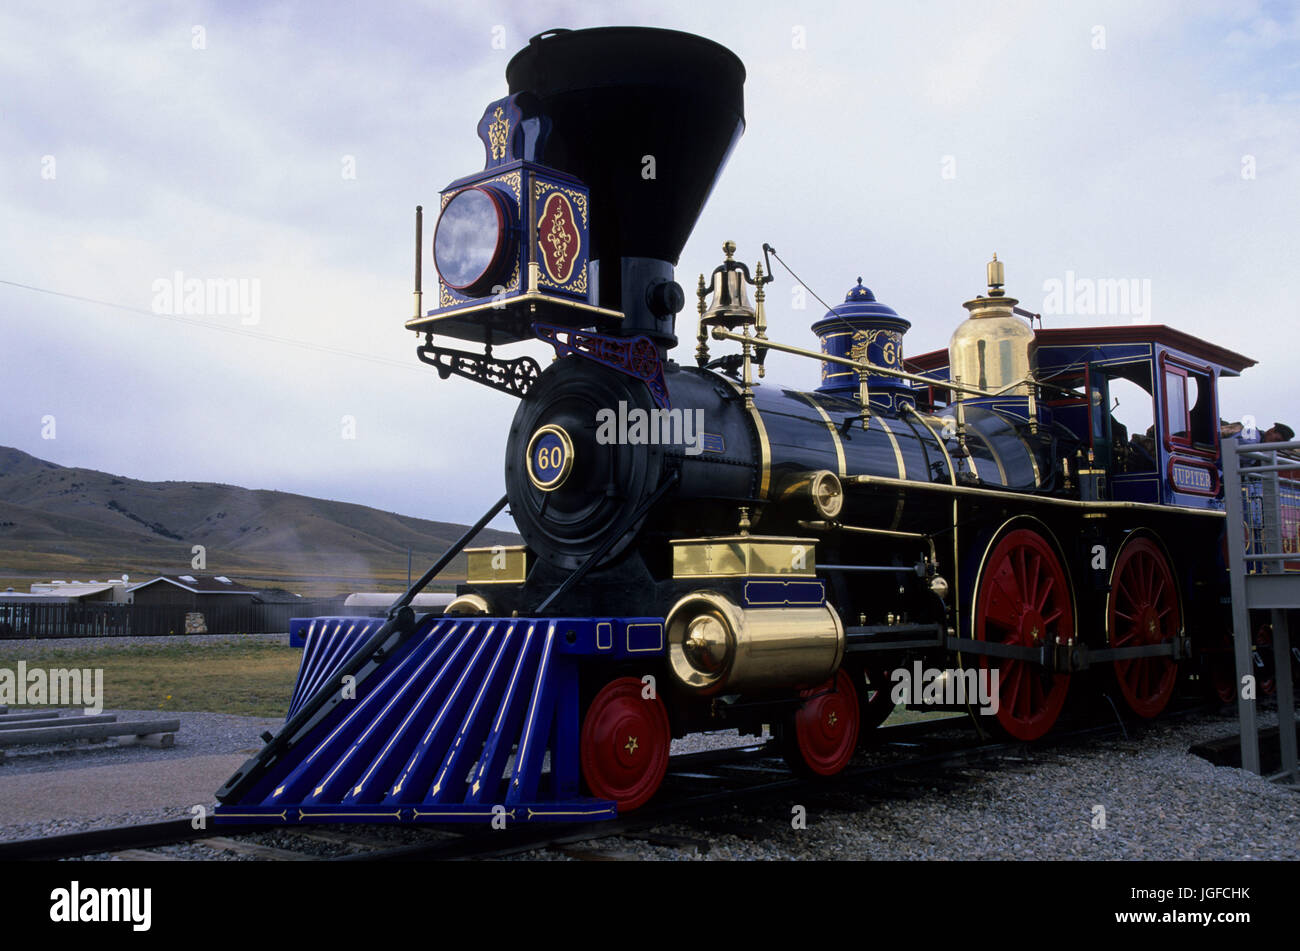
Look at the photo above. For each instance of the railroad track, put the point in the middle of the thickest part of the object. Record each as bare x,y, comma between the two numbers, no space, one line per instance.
698,787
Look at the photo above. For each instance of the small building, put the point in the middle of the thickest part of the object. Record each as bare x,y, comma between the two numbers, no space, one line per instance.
112,591
196,592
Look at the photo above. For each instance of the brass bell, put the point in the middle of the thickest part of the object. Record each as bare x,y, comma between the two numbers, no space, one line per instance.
730,307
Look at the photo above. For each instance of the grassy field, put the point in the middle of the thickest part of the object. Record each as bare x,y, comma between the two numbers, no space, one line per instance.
249,678
309,586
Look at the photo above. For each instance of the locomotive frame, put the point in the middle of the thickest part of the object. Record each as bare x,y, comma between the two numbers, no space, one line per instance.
975,508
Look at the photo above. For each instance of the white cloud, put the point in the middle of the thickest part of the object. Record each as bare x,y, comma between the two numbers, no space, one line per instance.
225,162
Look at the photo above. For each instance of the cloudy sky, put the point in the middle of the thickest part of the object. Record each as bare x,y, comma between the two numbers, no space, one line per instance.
285,145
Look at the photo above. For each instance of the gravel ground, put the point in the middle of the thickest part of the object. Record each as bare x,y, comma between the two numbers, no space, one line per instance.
200,734
1161,803
702,742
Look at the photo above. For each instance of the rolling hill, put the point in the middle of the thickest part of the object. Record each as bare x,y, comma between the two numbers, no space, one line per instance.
60,522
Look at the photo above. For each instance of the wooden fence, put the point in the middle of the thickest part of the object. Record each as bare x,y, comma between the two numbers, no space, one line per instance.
99,619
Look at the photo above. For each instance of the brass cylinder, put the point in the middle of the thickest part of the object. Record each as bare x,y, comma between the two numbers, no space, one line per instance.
714,645
820,492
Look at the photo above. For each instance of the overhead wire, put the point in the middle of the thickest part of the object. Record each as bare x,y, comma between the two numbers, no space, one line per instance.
208,325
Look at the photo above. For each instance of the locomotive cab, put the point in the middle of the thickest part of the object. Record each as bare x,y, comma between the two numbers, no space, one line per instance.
1141,404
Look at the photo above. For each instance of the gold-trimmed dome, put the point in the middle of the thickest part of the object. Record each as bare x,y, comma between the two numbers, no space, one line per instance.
993,348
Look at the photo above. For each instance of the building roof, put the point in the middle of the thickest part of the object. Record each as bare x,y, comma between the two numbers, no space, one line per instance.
73,589
198,584
277,596
1231,362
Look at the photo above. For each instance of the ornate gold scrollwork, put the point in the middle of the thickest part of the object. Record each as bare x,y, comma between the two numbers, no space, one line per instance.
498,131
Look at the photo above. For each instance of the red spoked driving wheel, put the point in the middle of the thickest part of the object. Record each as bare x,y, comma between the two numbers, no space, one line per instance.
822,735
1024,599
625,741
1144,608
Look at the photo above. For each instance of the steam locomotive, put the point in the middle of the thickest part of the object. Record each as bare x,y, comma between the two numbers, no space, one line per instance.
705,549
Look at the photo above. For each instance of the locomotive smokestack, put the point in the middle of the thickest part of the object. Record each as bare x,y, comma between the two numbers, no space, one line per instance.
647,119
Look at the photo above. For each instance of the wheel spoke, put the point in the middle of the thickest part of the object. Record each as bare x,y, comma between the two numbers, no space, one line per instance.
1006,673
1035,701
1013,596
1047,593
1009,688
1001,613
1022,575
1129,597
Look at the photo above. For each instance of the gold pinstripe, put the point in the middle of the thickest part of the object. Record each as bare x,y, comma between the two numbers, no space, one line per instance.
997,459
835,435
902,469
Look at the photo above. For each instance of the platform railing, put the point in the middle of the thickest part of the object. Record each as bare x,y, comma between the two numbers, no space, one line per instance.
1261,487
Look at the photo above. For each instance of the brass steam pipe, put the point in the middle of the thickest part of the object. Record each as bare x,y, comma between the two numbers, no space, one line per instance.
721,334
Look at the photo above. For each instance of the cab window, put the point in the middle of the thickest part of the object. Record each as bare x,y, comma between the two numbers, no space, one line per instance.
1189,408
1176,406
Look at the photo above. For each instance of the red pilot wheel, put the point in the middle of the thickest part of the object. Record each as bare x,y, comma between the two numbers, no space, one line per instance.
1024,599
1144,608
625,740
822,735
